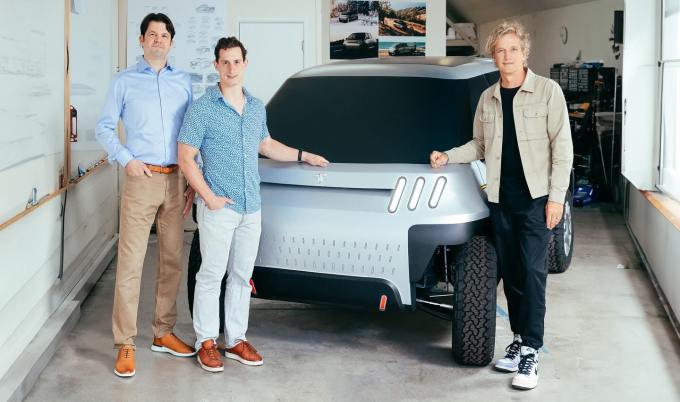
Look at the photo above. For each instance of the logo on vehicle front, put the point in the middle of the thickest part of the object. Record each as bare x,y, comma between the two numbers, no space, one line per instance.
320,177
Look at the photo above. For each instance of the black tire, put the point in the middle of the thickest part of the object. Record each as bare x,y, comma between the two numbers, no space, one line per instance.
561,241
474,309
192,270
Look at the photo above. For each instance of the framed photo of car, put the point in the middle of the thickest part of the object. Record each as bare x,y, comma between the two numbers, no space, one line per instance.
354,29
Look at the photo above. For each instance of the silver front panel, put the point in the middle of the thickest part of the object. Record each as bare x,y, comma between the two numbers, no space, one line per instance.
341,225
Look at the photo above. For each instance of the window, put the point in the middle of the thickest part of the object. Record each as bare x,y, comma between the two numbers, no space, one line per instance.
670,101
375,119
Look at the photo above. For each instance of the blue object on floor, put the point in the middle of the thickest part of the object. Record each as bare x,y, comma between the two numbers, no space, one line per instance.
584,194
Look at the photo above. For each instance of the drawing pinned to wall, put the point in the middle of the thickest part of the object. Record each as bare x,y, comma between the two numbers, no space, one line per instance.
354,29
401,48
403,18
198,25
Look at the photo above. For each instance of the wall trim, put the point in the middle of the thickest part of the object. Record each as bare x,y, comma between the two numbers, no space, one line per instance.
659,292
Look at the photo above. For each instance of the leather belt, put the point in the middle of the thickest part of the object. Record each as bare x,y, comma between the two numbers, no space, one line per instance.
162,169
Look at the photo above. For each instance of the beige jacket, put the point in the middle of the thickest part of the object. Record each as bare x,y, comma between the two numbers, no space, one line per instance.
543,137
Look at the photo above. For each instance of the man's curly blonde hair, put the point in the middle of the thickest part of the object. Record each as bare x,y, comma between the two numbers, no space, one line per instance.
508,27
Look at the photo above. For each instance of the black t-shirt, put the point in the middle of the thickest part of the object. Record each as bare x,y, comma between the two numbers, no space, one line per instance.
514,189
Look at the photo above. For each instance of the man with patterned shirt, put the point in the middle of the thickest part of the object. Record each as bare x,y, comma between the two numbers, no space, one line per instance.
150,98
228,126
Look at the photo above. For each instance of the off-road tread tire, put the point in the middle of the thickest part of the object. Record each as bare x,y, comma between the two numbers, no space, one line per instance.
558,262
474,311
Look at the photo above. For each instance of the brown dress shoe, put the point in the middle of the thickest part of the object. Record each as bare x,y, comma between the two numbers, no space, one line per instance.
209,358
170,343
245,353
125,363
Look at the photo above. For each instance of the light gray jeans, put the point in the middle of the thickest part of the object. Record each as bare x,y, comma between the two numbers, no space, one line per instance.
229,243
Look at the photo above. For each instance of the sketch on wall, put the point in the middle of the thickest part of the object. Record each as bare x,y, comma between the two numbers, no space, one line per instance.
32,102
354,29
31,77
199,24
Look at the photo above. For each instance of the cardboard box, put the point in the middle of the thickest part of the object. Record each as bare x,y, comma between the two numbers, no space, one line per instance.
462,30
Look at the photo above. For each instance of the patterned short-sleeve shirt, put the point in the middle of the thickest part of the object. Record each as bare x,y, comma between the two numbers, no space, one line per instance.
228,143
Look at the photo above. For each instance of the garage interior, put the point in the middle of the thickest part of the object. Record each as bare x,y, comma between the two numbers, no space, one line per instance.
611,327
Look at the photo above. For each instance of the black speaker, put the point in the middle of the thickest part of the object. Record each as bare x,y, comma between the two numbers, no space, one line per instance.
618,26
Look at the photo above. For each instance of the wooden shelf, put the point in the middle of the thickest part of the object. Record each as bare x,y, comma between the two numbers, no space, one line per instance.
48,197
460,42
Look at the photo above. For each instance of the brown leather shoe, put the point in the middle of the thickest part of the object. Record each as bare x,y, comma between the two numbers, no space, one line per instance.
170,343
125,363
209,358
245,353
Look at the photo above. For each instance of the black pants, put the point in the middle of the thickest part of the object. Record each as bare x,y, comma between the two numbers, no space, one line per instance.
521,240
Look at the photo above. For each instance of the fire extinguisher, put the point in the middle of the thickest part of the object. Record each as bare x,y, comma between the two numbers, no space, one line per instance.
74,124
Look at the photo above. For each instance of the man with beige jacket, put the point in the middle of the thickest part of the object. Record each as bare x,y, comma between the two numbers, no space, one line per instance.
521,130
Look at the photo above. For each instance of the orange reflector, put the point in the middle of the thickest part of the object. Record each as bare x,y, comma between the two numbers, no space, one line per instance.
383,303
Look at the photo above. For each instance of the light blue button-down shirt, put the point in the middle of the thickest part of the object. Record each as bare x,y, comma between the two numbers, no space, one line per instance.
152,107
229,143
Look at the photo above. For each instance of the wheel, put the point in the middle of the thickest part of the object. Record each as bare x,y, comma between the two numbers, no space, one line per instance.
192,270
474,303
561,241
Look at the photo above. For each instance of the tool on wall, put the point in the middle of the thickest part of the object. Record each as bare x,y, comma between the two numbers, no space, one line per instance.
33,198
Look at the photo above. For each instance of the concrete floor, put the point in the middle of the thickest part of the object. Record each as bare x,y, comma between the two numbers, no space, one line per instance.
607,339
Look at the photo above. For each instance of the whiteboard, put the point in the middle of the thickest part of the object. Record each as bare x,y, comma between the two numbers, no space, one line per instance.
199,24
32,101
93,53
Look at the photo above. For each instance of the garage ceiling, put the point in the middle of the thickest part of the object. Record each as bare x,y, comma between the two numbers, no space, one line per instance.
481,11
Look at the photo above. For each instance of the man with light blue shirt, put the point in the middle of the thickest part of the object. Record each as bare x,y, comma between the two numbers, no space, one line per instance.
150,98
228,126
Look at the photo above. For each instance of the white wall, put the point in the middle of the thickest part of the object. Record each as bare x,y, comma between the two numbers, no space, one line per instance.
30,249
589,27
435,44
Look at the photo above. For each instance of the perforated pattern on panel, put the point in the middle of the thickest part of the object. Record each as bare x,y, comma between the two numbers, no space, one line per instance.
330,255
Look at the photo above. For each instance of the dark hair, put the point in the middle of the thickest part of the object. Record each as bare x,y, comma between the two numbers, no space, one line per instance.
157,17
228,43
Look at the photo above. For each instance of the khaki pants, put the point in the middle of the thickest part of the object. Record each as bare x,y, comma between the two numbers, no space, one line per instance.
160,197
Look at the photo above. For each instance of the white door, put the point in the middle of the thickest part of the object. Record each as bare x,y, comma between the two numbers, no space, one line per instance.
275,52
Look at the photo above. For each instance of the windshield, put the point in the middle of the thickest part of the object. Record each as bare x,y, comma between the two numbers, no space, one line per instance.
353,119
356,36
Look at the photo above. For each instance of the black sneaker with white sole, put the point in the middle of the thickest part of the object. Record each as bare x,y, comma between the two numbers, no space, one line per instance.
509,363
527,369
